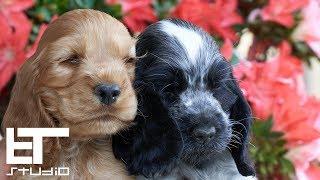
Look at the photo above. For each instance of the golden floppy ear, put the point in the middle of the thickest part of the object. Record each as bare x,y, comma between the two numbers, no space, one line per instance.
25,108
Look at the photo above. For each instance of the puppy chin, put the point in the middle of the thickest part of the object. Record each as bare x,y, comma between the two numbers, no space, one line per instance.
199,154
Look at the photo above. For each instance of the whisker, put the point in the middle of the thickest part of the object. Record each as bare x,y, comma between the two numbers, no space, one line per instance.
239,123
238,133
252,145
232,145
152,75
166,87
163,60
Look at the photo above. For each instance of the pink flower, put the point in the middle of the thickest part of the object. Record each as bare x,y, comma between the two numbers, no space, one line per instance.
20,28
306,160
308,30
13,38
5,29
11,57
136,14
281,11
9,6
297,115
216,17
276,88
286,65
264,83
294,110
257,89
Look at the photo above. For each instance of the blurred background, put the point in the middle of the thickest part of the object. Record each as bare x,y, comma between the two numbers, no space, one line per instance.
274,46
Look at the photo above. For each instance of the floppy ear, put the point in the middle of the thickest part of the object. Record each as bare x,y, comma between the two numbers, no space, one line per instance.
25,109
153,145
241,114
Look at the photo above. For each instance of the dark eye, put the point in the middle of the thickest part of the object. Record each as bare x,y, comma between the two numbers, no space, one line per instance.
215,85
170,97
170,94
130,60
72,60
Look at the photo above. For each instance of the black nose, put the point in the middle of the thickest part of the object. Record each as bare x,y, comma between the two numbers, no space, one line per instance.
107,93
204,134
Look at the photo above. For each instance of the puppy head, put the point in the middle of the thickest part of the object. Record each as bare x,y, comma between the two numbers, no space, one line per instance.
182,73
79,77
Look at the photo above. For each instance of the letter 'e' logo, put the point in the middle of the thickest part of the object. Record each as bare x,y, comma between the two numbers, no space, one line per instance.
36,146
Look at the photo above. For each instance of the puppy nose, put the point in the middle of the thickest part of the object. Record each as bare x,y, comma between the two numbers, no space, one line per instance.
107,93
204,134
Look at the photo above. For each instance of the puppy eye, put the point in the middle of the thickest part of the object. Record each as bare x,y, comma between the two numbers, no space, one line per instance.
214,85
73,60
130,60
170,96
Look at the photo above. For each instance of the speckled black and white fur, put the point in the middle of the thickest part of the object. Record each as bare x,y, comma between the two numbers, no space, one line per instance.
193,120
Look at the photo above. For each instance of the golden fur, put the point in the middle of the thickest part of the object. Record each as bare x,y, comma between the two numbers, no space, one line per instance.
55,88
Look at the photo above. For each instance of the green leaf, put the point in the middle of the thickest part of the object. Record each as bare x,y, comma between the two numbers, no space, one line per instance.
269,151
41,14
81,4
114,10
163,7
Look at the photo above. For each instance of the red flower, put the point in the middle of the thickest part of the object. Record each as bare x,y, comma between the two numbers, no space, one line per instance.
312,173
136,14
306,160
20,28
281,11
263,83
216,17
13,38
275,88
256,88
5,29
294,114
227,49
12,53
9,6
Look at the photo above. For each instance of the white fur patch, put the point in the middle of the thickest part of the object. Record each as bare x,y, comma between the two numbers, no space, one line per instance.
190,39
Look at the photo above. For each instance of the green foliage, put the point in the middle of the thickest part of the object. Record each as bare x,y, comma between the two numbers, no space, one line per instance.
43,10
163,7
269,152
273,32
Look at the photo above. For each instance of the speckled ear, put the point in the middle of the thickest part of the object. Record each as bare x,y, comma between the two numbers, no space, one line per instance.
241,114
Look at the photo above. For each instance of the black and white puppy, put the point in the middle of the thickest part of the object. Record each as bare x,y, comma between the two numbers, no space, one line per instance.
193,121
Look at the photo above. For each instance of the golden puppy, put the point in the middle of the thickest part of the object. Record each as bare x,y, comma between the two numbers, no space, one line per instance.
79,78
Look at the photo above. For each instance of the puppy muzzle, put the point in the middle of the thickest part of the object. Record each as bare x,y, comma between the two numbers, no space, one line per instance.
202,115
